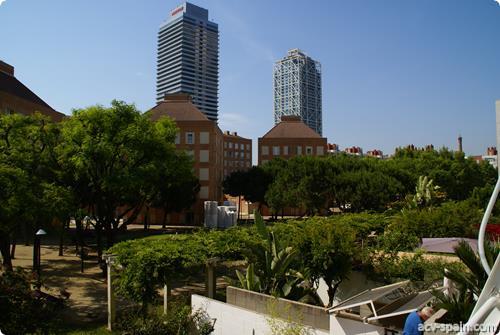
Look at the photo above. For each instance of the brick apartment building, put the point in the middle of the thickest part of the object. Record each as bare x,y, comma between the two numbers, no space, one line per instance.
291,137
203,140
237,153
15,97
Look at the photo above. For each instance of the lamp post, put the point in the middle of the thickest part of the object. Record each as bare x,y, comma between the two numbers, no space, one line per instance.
37,252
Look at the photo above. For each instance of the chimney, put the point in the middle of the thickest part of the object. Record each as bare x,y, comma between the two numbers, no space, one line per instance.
460,143
235,134
6,68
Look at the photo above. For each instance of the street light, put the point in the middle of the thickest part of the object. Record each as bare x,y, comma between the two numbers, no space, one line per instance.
37,251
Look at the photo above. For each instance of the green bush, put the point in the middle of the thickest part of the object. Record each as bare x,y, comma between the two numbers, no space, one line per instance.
21,310
179,321
392,268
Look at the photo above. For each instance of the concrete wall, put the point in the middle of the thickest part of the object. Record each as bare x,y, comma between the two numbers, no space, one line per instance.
344,326
232,320
309,315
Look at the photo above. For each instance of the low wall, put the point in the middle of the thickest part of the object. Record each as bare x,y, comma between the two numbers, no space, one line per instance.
230,319
309,315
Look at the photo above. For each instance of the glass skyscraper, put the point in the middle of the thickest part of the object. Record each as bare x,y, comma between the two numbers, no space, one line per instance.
188,58
297,89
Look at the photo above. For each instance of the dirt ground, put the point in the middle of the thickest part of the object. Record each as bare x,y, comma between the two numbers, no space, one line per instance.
87,301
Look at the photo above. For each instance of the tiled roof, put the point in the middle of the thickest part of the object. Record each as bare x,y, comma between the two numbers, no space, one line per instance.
291,127
11,85
178,107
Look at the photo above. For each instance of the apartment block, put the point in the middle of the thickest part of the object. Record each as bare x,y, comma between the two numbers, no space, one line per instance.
289,138
237,153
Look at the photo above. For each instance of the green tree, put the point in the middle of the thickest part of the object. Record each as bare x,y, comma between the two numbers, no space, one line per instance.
110,157
176,187
327,248
26,153
236,185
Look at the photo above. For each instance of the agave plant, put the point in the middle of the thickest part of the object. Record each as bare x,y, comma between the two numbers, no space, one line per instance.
426,193
273,272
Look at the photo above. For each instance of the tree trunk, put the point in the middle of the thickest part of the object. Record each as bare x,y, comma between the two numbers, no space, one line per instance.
98,231
146,218
239,206
5,251
13,248
25,234
164,222
61,238
331,292
109,235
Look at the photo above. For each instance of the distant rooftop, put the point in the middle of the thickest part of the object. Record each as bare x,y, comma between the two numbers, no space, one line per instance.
291,126
10,85
179,107
190,10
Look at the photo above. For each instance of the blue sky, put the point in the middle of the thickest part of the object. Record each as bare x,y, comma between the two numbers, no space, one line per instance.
395,72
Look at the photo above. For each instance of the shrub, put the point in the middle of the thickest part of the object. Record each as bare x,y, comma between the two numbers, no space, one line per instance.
22,311
415,267
179,321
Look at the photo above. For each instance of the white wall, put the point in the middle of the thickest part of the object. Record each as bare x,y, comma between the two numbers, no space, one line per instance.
235,320
343,326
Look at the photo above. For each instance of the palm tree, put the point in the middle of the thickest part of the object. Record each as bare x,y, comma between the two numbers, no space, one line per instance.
469,284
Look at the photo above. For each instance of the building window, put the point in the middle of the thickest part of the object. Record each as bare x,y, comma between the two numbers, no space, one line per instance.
204,156
319,151
276,151
248,146
264,150
190,138
299,151
309,150
203,173
190,153
203,192
236,146
230,145
204,137
248,155
225,144
285,150
242,154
